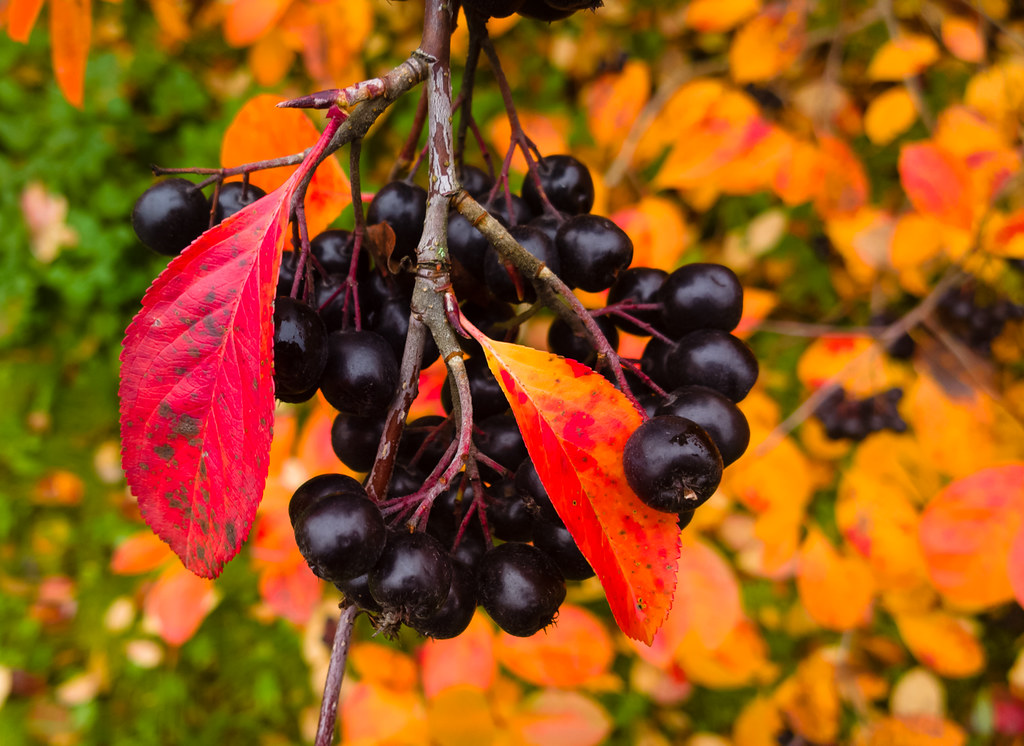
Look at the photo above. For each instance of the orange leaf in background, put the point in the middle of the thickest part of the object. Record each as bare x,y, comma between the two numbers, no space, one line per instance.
466,660
576,650
248,20
286,583
21,18
314,450
382,666
270,58
684,111
70,33
799,172
741,659
962,36
549,133
837,591
553,717
140,553
845,187
757,304
810,698
716,16
461,716
373,714
827,357
767,44
733,125
967,532
863,239
178,602
615,100
889,115
910,730
331,35
707,595
943,642
575,425
172,17
962,430
903,57
658,230
261,131
937,184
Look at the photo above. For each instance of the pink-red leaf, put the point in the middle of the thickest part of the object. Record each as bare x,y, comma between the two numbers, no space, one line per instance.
575,425
197,393
197,397
71,31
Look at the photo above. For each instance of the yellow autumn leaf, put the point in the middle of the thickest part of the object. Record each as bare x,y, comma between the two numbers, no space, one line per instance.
716,16
836,590
767,44
878,520
919,730
758,724
889,115
997,93
903,57
799,172
810,698
943,642
741,659
682,112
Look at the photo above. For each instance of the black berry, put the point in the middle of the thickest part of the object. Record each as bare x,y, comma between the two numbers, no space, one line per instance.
170,215
701,296
592,251
720,418
300,346
355,440
556,542
320,486
341,536
636,286
412,576
232,197
403,206
671,464
716,359
361,374
520,587
567,184
455,614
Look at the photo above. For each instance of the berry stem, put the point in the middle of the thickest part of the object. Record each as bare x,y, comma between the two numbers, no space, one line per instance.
335,675
466,95
358,231
409,149
555,293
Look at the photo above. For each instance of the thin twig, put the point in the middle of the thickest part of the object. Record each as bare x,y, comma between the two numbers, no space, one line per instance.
335,675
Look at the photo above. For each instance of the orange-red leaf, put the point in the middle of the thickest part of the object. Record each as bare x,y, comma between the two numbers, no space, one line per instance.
615,100
937,183
21,18
967,532
248,20
575,650
260,131
70,32
464,661
139,553
177,604
553,718
575,424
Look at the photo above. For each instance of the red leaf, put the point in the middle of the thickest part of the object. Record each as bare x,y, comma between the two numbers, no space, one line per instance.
197,399
575,425
71,30
197,396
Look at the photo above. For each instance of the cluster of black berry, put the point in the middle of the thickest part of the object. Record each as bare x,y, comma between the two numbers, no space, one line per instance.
975,315
844,417
433,581
172,213
674,461
542,10
340,324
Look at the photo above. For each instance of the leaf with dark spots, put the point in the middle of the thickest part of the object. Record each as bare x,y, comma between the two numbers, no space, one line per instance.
197,393
575,425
